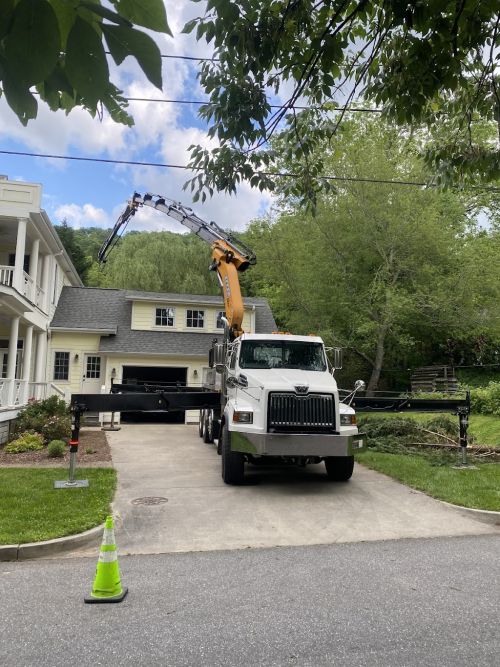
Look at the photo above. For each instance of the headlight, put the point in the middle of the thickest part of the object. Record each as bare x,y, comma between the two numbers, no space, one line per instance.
347,420
243,417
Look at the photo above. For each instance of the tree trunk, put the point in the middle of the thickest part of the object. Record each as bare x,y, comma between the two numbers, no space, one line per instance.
379,359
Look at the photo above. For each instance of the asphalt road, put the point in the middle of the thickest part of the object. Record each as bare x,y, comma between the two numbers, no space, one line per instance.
407,602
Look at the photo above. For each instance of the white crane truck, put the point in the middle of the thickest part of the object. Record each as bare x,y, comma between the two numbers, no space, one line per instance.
278,396
279,399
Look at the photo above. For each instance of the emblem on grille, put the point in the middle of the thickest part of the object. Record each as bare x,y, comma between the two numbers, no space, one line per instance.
301,388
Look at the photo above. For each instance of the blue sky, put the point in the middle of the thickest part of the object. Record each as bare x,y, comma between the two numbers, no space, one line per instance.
89,193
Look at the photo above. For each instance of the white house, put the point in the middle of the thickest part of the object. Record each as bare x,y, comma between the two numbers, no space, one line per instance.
34,267
59,337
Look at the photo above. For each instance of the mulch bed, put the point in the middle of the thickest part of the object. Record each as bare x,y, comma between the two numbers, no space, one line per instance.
90,439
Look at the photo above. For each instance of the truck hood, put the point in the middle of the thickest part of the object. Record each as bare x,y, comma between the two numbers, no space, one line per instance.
286,379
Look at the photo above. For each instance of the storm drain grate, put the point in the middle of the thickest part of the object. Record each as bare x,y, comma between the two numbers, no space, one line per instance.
149,500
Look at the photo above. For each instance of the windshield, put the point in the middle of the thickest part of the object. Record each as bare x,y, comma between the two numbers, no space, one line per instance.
282,354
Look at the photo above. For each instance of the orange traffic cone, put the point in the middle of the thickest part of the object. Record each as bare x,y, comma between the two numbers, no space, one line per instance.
107,585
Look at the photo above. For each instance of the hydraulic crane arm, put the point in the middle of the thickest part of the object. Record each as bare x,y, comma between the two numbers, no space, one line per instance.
229,254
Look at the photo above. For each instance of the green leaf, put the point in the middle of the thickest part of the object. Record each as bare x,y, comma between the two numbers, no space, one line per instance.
66,14
33,44
123,41
106,13
148,13
86,65
190,26
6,11
50,95
20,100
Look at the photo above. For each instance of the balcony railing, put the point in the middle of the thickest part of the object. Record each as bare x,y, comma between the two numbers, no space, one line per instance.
16,393
6,275
28,287
40,297
32,292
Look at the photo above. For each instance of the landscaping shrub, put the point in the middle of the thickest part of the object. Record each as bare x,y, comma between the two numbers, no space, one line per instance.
26,442
49,417
56,449
486,400
56,427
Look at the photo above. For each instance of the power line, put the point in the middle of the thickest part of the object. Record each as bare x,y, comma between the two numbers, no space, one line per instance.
273,106
165,165
168,56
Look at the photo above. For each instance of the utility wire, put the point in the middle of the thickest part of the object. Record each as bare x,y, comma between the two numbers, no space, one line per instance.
168,56
273,106
165,165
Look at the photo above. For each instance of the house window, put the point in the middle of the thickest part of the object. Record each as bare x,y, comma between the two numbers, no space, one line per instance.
61,365
195,319
93,367
26,263
219,323
165,317
4,357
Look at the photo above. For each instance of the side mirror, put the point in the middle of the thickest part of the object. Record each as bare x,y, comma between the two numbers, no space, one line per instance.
231,381
359,385
219,368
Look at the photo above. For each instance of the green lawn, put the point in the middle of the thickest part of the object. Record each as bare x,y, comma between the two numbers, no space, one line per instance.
485,428
31,510
478,488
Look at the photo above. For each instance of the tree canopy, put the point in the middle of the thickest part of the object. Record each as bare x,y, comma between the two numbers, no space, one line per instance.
422,63
399,276
59,48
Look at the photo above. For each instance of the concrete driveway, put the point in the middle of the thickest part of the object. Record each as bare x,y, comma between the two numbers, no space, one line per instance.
169,464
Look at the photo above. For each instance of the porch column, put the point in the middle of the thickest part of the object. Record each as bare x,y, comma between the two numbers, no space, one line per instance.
47,265
18,281
41,356
34,267
27,350
11,363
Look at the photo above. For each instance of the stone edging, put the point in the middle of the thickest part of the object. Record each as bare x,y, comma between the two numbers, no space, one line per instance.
41,549
485,516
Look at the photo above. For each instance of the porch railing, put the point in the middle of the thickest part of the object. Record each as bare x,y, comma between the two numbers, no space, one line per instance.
6,275
17,393
28,287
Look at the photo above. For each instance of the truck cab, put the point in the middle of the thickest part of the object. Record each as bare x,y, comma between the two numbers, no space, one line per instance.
280,400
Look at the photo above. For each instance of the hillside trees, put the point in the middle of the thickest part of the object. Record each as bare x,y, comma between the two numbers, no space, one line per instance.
389,272
157,262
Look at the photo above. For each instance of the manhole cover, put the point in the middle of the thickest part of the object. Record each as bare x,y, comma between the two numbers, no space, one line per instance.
149,500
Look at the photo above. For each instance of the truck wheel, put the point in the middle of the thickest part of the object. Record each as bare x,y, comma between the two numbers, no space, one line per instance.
233,463
201,423
339,468
208,431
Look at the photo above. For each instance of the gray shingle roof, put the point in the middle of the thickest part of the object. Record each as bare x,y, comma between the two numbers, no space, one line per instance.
96,308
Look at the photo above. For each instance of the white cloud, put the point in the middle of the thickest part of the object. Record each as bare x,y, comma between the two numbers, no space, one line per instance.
82,216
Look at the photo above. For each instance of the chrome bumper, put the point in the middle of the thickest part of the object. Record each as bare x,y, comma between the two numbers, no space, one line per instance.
297,444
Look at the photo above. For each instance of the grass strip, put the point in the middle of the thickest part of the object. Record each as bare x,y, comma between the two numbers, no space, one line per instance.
479,488
31,510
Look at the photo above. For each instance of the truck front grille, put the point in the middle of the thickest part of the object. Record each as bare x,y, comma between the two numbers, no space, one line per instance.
301,414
